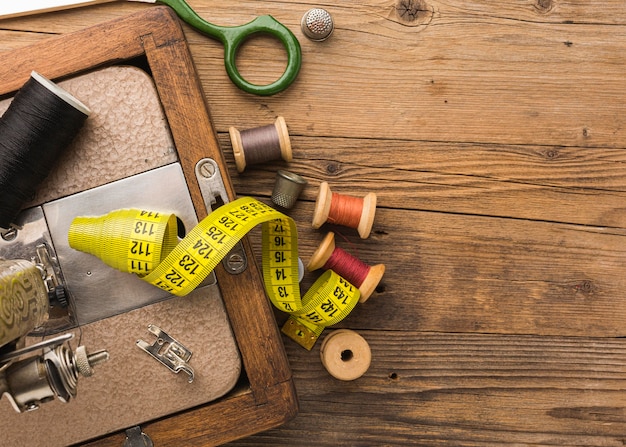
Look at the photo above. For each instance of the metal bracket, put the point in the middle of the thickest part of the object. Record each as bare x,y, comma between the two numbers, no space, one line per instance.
137,438
169,351
213,192
211,183
46,345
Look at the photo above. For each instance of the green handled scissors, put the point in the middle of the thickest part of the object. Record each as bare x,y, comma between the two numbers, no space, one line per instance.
231,36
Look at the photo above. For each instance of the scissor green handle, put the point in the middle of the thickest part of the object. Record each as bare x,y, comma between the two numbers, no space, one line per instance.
233,36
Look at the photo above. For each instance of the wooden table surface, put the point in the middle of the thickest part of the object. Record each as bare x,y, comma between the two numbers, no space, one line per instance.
494,136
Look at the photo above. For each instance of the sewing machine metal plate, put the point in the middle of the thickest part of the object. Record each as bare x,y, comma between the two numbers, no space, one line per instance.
151,165
100,291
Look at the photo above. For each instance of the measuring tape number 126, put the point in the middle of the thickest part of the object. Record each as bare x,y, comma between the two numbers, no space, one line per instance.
145,243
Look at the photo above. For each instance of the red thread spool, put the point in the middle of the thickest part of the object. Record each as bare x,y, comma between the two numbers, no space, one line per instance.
353,212
364,277
261,144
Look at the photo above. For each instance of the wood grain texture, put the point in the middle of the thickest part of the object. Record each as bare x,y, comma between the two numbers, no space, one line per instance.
430,389
494,136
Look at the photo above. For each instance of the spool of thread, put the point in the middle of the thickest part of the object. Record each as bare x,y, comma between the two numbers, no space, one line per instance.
345,354
23,299
361,275
337,209
261,144
41,121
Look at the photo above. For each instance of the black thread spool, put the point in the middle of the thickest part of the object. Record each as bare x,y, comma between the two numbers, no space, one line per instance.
261,144
41,121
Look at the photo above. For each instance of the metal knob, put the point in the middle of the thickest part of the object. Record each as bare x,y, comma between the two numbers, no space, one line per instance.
85,362
317,24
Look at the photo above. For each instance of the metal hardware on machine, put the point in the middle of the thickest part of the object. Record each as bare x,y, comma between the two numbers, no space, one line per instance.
37,379
169,351
214,194
31,289
51,276
137,438
30,267
8,234
23,298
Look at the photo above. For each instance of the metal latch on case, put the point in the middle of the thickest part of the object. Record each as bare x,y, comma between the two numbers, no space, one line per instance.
135,437
214,193
169,351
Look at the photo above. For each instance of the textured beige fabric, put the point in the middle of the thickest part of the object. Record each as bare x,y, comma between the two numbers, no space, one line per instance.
127,134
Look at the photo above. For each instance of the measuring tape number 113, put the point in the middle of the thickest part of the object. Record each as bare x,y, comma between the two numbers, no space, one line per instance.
145,243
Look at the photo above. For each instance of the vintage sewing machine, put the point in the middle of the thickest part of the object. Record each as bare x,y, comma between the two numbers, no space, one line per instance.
150,144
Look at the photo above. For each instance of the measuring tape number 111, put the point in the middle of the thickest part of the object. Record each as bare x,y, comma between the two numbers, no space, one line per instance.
145,243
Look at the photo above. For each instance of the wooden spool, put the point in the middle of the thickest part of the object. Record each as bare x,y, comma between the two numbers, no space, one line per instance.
345,354
239,151
323,204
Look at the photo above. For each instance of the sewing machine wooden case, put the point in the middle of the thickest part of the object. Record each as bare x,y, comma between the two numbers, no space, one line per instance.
149,116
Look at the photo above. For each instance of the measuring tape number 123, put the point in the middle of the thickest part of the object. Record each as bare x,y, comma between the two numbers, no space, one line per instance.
145,243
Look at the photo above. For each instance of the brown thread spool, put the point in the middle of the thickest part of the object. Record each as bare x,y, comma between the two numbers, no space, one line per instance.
261,144
327,250
344,210
345,354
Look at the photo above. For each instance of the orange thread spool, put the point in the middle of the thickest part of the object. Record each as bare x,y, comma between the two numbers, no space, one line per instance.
352,212
363,276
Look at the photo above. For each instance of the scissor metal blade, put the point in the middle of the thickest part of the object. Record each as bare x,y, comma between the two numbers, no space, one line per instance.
13,8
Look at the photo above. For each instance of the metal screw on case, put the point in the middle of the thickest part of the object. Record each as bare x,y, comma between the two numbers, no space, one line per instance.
206,169
236,263
8,234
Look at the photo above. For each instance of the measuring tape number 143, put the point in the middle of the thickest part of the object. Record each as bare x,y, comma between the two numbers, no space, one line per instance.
145,243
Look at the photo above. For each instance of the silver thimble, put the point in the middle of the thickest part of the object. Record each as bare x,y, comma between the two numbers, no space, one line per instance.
287,188
317,24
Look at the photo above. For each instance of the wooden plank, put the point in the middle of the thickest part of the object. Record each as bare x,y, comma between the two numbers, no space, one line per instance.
462,78
479,72
460,273
459,389
462,82
568,185
11,40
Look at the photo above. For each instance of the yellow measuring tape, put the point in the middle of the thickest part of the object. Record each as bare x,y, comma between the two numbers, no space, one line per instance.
145,243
